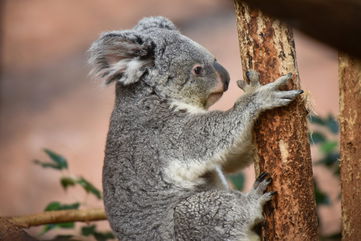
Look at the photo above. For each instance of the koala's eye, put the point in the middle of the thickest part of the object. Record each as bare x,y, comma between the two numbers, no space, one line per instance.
197,69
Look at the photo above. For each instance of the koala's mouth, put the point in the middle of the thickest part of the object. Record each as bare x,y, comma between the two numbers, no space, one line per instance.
213,98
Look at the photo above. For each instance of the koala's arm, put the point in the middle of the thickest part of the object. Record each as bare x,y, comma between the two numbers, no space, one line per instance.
208,139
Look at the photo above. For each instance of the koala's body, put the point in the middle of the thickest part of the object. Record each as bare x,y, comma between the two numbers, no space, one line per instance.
164,146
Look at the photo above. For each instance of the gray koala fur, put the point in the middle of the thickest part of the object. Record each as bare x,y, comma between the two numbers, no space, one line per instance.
164,147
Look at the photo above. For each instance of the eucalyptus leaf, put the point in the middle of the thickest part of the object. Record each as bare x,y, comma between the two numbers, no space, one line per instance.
316,120
58,159
328,147
317,137
332,124
64,238
103,236
48,227
47,165
53,206
88,230
333,237
99,236
67,182
68,225
321,197
330,160
89,188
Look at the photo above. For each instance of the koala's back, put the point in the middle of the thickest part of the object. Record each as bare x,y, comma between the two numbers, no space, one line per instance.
137,196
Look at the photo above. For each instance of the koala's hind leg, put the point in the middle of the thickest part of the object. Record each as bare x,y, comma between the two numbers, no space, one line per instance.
221,215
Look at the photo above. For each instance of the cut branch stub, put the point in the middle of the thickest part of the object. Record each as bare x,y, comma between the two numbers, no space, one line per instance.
280,134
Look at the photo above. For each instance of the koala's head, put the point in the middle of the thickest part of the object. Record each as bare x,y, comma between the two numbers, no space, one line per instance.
156,53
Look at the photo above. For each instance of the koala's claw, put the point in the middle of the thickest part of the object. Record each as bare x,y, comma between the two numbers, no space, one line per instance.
280,81
261,184
273,193
288,95
260,178
253,77
258,193
267,197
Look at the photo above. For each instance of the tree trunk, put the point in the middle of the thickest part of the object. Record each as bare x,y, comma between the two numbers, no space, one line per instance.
281,134
350,146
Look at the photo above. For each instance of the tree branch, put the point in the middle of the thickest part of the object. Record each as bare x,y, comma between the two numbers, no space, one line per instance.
62,216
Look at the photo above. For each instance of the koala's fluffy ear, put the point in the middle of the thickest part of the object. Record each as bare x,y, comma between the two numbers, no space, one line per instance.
122,56
155,22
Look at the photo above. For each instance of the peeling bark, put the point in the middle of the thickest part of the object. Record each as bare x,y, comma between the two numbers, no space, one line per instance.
350,146
281,134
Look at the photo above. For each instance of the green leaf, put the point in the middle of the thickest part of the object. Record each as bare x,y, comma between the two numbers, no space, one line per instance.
332,237
330,160
103,236
68,225
58,159
89,188
70,206
321,197
58,206
47,164
99,236
332,124
67,182
59,162
48,227
316,137
63,238
328,147
317,120
88,230
237,180
53,206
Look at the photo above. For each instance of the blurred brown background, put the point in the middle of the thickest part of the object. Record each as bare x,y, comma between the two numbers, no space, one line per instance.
48,100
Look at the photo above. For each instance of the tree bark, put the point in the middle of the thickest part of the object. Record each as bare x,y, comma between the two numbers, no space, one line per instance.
350,146
11,232
334,22
280,134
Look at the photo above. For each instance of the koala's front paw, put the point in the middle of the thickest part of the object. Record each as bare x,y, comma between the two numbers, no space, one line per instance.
268,96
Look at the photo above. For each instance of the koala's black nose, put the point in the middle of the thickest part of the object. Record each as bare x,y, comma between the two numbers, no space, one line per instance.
223,73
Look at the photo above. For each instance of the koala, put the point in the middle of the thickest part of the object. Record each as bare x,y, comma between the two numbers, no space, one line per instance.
165,151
